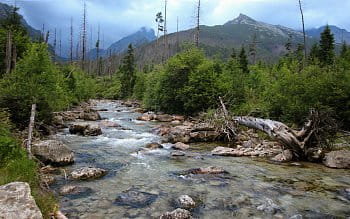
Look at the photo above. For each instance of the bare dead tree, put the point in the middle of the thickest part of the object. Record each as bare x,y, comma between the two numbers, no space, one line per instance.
60,43
47,37
177,35
198,23
30,130
83,35
304,34
71,42
98,51
8,57
54,46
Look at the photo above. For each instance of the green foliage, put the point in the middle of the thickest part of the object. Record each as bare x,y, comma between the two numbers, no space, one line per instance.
109,88
140,86
15,166
35,80
127,73
326,53
171,81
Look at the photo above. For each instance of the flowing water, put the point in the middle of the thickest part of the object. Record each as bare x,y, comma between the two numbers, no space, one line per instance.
253,188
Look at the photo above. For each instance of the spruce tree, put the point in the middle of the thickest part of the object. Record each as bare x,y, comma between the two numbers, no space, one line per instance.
344,50
326,54
314,52
127,72
243,61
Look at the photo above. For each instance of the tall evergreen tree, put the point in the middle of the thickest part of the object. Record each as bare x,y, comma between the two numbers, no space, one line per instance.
344,50
314,52
127,72
243,61
326,54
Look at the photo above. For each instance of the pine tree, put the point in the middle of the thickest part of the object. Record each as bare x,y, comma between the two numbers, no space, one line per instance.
314,52
233,54
326,54
127,72
344,50
243,61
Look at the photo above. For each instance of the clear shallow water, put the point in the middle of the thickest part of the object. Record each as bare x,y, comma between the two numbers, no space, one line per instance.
310,191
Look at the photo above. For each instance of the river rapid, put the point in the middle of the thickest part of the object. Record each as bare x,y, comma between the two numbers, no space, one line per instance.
254,188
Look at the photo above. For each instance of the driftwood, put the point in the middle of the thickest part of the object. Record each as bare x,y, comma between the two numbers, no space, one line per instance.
316,132
30,130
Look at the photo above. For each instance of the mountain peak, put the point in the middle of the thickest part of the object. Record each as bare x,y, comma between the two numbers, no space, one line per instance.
242,19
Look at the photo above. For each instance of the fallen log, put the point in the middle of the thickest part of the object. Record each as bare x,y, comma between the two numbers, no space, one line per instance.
317,132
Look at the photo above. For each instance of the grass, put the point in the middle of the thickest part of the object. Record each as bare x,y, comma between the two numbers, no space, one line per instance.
25,170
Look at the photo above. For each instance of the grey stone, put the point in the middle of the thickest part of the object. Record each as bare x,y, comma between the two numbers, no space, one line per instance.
16,202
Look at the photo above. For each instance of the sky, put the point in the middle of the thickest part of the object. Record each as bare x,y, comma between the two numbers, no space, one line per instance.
119,18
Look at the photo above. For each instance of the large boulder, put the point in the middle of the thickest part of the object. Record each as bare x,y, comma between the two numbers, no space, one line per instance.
87,173
85,129
16,202
337,159
177,214
53,152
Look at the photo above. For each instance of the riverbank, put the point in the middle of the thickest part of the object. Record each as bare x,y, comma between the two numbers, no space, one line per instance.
146,180
113,159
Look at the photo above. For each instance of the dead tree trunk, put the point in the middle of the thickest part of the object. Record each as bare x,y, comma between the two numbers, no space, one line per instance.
304,34
30,131
8,52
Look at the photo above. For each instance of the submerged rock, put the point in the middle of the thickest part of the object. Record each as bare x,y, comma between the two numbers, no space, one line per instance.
87,173
181,146
85,129
53,152
186,202
177,214
207,170
16,202
177,154
109,124
337,159
269,206
153,146
135,199
75,191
